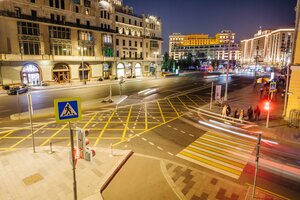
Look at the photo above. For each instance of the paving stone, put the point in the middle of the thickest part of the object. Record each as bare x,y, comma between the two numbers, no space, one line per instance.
187,187
214,181
169,165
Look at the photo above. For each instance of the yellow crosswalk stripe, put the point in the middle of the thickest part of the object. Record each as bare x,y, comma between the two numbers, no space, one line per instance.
219,153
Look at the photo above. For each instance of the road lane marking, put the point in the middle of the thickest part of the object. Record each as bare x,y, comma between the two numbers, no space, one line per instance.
161,113
127,122
151,143
160,148
170,154
104,128
53,135
173,107
191,135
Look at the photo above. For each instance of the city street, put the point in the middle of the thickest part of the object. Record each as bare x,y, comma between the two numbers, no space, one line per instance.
164,126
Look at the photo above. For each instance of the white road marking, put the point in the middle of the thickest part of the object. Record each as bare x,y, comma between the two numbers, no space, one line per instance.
175,129
169,126
191,135
170,154
144,139
160,148
182,131
151,143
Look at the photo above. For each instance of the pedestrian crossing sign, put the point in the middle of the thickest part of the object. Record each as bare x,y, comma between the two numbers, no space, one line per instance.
67,109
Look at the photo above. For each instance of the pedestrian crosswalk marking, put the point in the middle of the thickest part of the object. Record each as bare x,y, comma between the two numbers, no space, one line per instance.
68,111
220,153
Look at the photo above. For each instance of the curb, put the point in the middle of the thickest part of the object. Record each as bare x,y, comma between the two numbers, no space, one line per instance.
113,172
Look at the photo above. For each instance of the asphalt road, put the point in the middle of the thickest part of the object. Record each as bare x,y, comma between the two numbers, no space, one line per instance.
152,125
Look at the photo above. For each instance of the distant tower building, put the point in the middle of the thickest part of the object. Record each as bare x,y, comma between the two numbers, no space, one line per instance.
294,88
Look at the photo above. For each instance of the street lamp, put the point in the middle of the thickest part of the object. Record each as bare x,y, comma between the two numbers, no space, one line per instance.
155,53
227,70
82,64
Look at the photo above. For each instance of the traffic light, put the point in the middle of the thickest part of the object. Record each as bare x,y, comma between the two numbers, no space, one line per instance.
82,142
267,106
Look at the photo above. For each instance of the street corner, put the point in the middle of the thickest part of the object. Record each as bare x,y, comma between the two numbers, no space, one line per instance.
193,184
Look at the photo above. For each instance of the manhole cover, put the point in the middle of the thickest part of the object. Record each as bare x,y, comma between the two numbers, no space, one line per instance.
33,179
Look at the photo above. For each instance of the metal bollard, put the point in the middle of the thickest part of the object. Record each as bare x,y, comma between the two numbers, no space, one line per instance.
50,145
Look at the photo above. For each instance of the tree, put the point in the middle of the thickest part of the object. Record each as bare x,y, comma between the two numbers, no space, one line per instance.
166,61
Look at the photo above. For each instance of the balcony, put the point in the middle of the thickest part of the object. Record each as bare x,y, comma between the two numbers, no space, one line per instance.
135,58
52,22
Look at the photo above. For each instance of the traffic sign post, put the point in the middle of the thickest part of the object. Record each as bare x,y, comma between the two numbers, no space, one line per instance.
67,110
272,86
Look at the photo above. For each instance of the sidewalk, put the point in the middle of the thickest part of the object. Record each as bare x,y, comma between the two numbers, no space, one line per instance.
27,175
278,127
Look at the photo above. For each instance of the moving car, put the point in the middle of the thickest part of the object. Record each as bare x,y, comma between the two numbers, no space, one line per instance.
17,89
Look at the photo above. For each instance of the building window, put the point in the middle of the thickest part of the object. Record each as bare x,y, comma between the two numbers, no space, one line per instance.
123,20
59,32
30,47
141,24
108,15
30,74
124,43
88,50
51,3
56,3
85,36
32,1
117,18
61,49
117,42
62,4
130,43
141,55
88,24
135,43
129,21
141,44
147,45
129,54
52,17
17,12
107,39
76,9
135,22
26,28
78,22
33,14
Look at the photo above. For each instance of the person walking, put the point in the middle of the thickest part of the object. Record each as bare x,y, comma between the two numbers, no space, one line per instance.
241,116
250,113
228,110
256,113
236,113
224,111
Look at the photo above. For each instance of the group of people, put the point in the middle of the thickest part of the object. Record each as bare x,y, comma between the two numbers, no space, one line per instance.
251,115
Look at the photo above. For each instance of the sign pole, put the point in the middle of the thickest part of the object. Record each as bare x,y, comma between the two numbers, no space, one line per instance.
73,162
268,117
256,168
211,94
29,99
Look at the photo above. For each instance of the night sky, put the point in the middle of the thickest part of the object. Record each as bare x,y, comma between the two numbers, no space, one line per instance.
211,16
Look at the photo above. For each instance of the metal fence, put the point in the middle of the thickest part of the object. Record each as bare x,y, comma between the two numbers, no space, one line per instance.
294,118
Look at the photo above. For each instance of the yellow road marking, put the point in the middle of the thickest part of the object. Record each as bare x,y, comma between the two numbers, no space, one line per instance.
104,128
192,100
92,118
24,138
181,101
53,135
126,125
146,117
173,107
161,113
211,163
216,157
154,127
267,191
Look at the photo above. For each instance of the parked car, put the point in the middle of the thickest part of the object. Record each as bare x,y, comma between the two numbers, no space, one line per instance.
17,89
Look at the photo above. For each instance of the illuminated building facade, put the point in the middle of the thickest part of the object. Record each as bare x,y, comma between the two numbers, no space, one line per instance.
268,47
201,45
60,41
293,102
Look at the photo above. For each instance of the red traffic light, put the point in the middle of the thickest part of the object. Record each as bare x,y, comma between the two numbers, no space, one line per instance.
267,105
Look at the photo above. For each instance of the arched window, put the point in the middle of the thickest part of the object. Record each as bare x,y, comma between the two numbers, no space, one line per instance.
61,73
84,72
120,70
138,69
30,74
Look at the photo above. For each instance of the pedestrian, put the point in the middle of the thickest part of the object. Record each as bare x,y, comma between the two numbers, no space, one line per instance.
241,116
224,111
256,113
250,113
236,113
228,110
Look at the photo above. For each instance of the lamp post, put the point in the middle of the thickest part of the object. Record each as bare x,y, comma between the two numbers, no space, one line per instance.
227,70
82,63
155,54
286,83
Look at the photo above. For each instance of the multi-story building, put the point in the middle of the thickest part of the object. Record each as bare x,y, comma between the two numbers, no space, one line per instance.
75,40
268,47
293,102
203,46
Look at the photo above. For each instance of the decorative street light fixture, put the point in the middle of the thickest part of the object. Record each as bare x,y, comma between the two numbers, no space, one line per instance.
82,63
